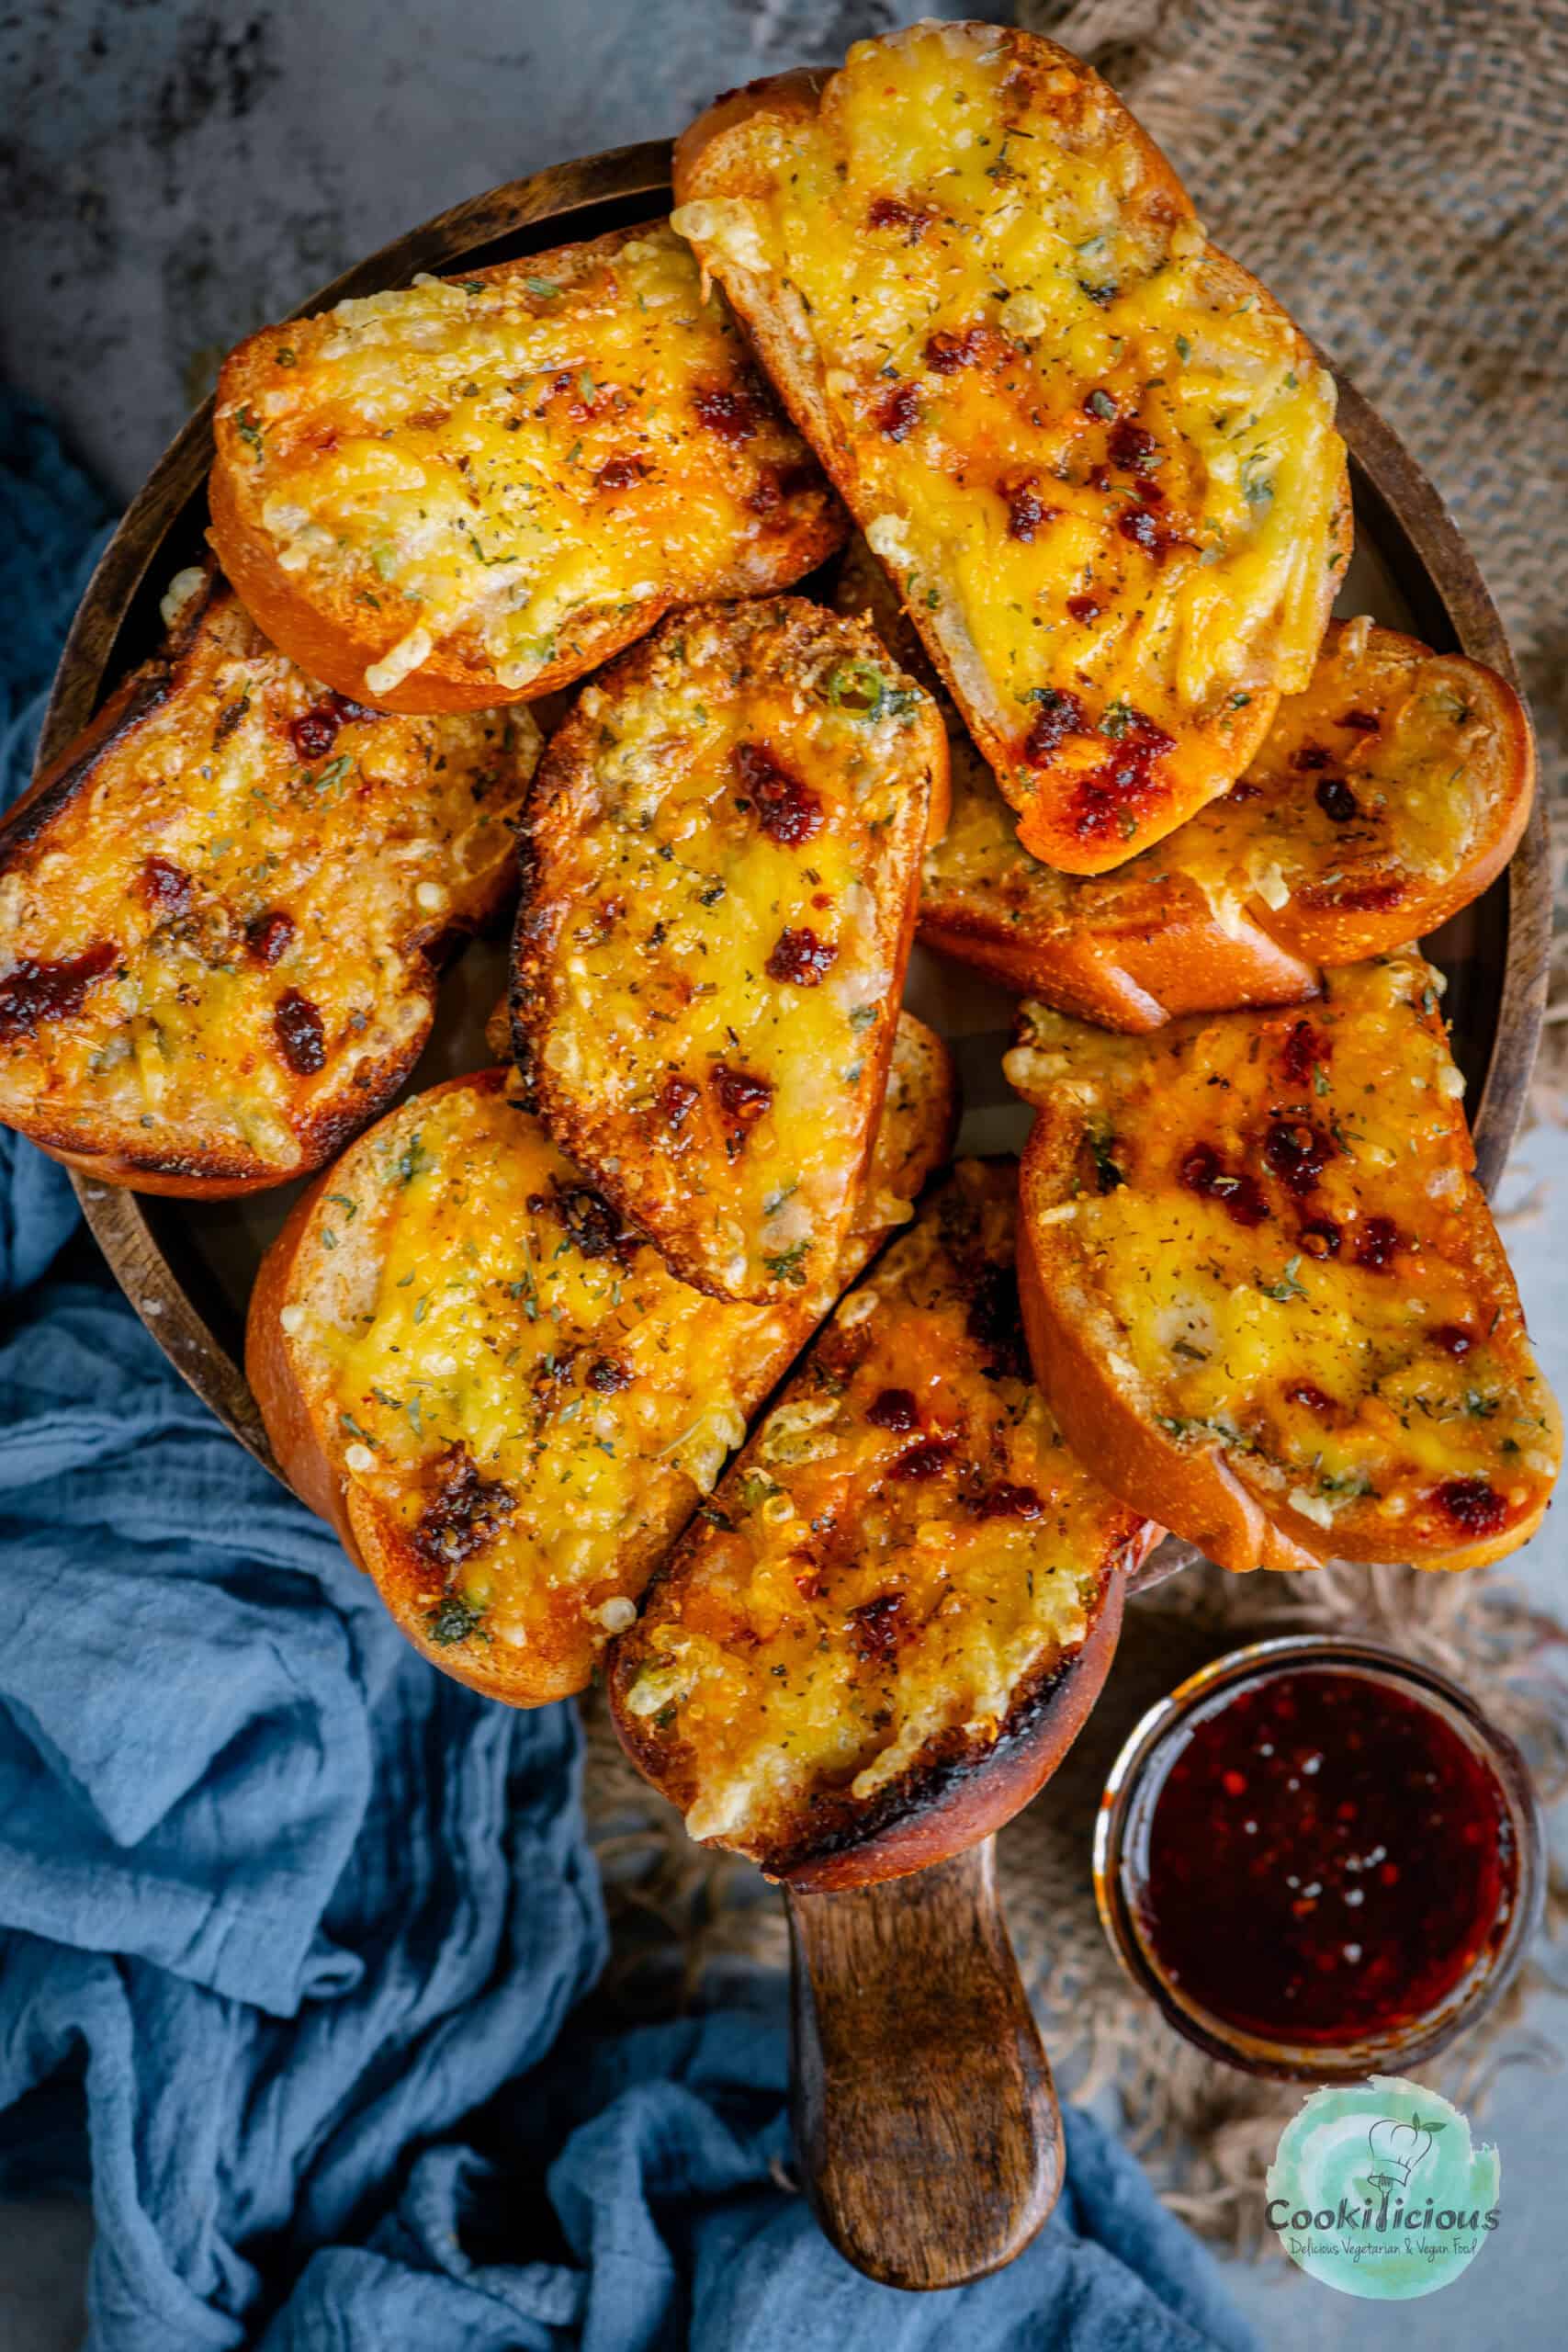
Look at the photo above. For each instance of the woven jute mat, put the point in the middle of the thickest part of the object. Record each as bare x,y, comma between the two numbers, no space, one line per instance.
1395,170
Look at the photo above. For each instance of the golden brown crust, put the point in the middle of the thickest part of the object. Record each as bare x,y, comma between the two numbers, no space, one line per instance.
1260,1283
791,97
672,479
719,855
405,1277
293,1417
224,910
1207,1505
1441,779
1160,966
879,1637
1431,789
1081,809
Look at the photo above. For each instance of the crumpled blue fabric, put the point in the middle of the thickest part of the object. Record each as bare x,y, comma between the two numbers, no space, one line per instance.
292,1928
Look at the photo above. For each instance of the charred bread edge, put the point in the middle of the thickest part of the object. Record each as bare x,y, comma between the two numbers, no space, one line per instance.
558,1116
960,1788
963,1788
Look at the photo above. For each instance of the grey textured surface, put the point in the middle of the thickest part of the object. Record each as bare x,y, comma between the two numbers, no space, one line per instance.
173,176
179,175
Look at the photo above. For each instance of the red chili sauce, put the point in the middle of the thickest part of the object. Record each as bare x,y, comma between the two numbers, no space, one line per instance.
1326,1859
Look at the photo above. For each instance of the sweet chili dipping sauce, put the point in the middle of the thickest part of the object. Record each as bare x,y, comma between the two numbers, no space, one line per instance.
1316,1850
1326,1859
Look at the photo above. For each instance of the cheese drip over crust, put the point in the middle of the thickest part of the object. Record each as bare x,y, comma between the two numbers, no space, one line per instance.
1096,457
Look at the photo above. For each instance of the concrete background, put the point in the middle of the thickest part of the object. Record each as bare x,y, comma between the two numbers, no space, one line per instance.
177,174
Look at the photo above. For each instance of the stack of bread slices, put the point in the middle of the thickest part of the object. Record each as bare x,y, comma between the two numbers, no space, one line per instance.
935,533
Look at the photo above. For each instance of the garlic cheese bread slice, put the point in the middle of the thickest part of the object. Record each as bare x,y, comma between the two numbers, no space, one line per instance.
882,1634
1390,793
224,910
474,488
500,1396
1097,458
720,855
1264,1291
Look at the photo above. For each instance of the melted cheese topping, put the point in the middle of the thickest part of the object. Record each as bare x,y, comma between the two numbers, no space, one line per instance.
256,866
1099,457
500,465
1269,1223
727,836
1374,784
905,1550
478,1313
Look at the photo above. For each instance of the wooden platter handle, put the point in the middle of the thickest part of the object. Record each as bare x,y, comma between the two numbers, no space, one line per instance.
925,2120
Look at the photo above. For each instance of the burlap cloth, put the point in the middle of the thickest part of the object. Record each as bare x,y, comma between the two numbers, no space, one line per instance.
1396,171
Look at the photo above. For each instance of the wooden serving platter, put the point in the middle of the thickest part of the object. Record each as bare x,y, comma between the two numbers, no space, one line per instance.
925,2118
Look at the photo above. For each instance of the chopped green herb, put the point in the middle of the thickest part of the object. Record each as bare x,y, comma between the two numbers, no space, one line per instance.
860,689
413,1159
789,1266
1287,1287
1257,487
452,1620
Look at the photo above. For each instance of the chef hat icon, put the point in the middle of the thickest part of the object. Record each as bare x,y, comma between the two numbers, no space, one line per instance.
1398,2148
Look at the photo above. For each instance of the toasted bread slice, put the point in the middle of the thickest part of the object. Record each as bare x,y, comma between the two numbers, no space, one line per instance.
475,489
880,1635
720,857
1264,1291
223,910
1096,456
501,1398
1388,794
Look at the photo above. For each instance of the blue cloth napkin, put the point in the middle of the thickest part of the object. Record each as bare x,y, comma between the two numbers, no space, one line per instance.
292,1927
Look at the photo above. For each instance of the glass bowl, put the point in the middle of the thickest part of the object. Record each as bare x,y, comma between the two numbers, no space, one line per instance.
1121,1844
